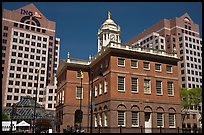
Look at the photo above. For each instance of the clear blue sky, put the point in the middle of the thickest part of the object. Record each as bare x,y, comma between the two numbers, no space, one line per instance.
78,22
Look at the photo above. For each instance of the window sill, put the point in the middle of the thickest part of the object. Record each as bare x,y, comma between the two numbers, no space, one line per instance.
158,71
146,69
134,92
123,91
159,94
171,95
134,67
169,72
123,66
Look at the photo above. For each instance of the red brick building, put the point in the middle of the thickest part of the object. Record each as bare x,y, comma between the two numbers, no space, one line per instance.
131,87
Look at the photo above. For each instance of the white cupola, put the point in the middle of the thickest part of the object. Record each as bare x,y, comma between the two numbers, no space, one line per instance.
109,31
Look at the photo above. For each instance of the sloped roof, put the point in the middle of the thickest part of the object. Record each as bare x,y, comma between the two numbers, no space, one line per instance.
25,109
28,101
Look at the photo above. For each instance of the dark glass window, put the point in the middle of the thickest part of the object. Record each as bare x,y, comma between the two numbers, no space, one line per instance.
43,30
5,27
5,34
15,24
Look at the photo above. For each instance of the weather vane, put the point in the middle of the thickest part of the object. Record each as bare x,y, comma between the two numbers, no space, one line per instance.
109,14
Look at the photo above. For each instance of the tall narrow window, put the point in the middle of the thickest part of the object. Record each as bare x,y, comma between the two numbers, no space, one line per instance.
147,88
96,91
121,83
135,120
100,88
95,120
121,62
100,119
171,120
170,88
105,119
134,84
134,64
105,86
160,121
79,93
159,87
121,118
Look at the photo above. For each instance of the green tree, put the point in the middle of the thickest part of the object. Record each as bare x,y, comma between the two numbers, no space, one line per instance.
5,117
190,97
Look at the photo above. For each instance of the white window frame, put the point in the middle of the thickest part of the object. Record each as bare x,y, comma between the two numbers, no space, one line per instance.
95,120
100,88
96,90
169,89
137,115
123,62
123,83
174,120
123,118
171,68
63,97
132,85
105,86
159,67
105,119
162,114
147,92
134,60
148,65
78,74
160,88
100,119
77,92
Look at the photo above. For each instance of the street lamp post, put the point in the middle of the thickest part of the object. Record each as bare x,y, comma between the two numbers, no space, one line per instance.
12,112
81,102
34,115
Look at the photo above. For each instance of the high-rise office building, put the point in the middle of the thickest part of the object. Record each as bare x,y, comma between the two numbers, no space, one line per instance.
28,44
180,34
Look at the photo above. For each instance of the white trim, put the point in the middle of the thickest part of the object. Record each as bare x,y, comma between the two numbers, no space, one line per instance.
123,84
137,85
100,88
27,24
123,119
149,87
174,121
176,27
162,119
161,88
148,65
172,88
160,67
81,93
105,118
105,86
137,119
136,63
118,62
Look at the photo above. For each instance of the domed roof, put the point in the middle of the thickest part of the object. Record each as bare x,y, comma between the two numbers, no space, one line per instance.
109,24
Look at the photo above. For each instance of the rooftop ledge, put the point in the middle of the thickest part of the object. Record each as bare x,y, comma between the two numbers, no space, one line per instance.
133,48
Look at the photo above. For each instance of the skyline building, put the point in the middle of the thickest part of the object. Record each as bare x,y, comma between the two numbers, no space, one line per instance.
28,44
